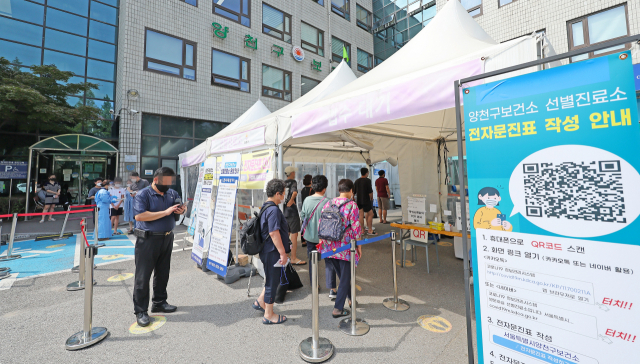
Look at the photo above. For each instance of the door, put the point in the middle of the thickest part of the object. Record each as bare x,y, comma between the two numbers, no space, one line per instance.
68,173
91,170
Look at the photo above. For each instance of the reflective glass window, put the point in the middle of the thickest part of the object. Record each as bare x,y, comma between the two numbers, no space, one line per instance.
20,31
68,22
172,147
276,83
236,10
312,39
110,2
307,84
341,7
65,42
26,55
104,90
23,10
230,70
104,13
101,50
597,28
65,62
80,7
337,50
100,70
165,53
150,124
149,145
365,61
102,31
363,17
276,23
177,127
207,129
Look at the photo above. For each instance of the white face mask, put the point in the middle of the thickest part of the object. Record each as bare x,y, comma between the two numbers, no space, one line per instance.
491,202
99,184
118,185
133,180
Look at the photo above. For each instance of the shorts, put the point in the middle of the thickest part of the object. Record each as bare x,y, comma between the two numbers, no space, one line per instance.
116,212
367,206
383,203
293,219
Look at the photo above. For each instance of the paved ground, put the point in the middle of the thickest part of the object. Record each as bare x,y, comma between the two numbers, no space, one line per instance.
215,322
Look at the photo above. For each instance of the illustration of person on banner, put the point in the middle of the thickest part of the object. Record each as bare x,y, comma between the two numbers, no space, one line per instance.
488,216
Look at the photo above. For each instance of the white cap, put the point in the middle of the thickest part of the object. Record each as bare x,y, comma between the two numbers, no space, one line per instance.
288,170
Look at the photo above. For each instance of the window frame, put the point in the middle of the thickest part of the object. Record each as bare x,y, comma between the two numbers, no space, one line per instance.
302,42
240,59
370,59
282,33
346,14
309,78
479,7
240,14
284,72
185,42
368,28
585,31
501,6
318,2
340,55
185,1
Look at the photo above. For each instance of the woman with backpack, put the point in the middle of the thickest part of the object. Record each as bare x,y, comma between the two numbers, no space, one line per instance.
338,225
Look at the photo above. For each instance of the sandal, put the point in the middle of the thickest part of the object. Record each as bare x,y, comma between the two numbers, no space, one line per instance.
281,319
299,262
52,219
344,312
372,233
129,232
117,233
256,306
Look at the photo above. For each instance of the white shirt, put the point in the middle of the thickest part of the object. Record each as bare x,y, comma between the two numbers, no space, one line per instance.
117,195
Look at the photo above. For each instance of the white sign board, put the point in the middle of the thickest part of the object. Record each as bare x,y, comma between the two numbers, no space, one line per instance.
201,212
417,210
224,213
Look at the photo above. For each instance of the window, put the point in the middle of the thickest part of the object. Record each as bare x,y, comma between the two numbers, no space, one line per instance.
237,10
337,46
312,39
504,2
276,83
363,18
170,55
341,7
597,28
276,23
319,2
228,70
474,7
191,2
307,84
365,61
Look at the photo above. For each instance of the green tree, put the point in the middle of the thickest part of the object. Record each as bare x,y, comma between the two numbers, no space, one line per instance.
37,98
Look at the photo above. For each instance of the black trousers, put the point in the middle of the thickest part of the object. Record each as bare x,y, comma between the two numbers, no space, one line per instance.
152,255
272,275
343,269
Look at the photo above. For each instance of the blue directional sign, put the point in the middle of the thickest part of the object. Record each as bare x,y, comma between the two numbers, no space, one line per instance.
13,170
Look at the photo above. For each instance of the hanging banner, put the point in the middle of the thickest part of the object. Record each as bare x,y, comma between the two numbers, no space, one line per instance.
196,201
553,188
224,213
204,214
256,170
248,139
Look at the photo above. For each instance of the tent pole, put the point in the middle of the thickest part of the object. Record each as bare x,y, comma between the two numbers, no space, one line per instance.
26,209
280,163
463,219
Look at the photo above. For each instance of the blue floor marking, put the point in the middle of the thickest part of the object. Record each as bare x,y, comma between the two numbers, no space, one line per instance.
37,259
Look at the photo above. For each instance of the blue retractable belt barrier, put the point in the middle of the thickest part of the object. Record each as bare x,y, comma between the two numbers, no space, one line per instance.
348,246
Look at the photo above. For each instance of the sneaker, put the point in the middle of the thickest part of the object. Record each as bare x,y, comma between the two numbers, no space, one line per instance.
333,295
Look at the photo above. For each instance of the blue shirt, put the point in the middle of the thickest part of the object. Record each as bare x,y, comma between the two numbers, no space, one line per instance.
150,200
272,219
92,193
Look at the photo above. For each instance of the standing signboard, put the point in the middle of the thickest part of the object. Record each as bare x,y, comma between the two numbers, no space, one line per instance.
553,188
196,201
203,213
417,210
257,169
224,213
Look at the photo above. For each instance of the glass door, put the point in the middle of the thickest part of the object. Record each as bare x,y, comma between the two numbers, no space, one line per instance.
68,173
91,169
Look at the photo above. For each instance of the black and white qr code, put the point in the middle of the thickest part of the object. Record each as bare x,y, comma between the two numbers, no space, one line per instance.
590,191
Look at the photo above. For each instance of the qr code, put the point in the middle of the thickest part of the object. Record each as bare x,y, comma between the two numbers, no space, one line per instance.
590,191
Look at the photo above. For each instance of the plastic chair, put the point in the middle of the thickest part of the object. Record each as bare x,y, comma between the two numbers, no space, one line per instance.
430,240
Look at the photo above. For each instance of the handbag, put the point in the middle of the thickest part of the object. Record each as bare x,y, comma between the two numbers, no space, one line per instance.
293,280
306,221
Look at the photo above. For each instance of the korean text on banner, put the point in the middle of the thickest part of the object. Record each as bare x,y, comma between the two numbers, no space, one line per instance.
204,213
223,214
553,184
257,169
248,139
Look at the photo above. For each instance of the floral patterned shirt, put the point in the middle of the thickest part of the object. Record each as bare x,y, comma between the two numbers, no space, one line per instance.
354,231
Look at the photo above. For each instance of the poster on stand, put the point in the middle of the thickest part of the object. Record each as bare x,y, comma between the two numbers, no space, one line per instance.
417,210
257,169
203,213
191,230
223,216
553,166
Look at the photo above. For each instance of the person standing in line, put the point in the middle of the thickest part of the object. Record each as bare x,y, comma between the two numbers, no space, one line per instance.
274,231
364,199
307,191
128,207
311,210
382,188
291,212
103,201
156,210
341,261
52,189
117,201
137,183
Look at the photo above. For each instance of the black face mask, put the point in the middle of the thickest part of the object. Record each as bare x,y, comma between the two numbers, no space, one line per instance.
162,188
52,179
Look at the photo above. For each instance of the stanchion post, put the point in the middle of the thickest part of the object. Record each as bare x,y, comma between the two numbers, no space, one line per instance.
353,326
89,335
394,303
80,283
315,349
9,255
64,225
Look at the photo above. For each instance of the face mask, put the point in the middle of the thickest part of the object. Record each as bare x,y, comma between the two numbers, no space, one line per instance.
52,179
491,202
162,188
99,184
118,185
133,180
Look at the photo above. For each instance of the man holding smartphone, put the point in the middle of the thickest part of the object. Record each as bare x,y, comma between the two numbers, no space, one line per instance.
156,210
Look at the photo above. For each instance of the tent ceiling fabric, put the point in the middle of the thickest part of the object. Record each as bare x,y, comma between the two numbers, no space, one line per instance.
74,143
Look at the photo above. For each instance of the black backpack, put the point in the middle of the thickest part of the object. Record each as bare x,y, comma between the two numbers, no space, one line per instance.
250,235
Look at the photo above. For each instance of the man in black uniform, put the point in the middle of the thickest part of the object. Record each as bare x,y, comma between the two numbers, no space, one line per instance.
155,209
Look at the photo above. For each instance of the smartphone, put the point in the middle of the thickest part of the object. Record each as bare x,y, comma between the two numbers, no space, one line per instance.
502,217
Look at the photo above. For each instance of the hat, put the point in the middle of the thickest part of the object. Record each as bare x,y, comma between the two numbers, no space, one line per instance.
290,169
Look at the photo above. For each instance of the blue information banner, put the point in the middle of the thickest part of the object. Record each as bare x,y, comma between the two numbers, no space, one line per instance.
554,201
13,170
636,75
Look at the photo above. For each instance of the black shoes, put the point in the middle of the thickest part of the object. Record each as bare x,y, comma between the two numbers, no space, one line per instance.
164,307
143,319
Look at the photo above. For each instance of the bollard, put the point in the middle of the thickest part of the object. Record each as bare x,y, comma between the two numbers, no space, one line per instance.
89,335
10,256
79,284
64,225
353,326
315,349
394,303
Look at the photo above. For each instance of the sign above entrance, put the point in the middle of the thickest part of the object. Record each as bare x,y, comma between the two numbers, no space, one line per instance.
13,170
